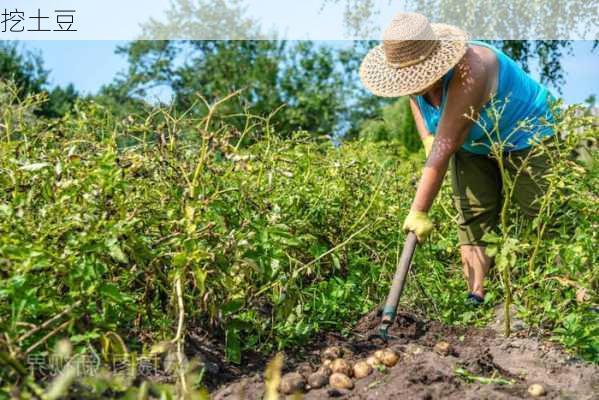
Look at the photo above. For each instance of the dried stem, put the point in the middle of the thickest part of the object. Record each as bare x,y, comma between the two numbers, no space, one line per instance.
50,321
48,336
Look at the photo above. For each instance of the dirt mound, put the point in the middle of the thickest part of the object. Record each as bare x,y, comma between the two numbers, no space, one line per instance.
480,365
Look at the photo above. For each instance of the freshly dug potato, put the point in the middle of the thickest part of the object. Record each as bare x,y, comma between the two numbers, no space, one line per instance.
536,390
331,353
413,349
341,381
346,352
319,378
341,366
305,369
292,382
388,357
443,348
362,369
327,363
373,361
379,355
326,370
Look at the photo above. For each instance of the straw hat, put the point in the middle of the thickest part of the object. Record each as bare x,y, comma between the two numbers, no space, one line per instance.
414,55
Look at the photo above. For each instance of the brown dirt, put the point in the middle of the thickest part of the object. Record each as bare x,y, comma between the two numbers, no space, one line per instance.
423,374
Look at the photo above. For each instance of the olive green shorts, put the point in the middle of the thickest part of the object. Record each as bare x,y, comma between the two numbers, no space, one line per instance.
477,189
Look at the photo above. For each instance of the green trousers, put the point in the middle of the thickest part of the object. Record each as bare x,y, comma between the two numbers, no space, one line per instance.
477,188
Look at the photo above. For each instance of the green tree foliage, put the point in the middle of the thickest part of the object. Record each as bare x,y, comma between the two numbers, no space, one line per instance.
519,19
547,54
397,124
304,85
60,101
204,19
27,71
297,85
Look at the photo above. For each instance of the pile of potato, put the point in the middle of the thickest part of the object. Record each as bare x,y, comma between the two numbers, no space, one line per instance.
336,371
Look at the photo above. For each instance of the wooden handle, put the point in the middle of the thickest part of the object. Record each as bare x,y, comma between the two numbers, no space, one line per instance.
399,280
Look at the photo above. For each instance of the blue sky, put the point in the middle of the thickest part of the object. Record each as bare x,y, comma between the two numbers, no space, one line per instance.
91,64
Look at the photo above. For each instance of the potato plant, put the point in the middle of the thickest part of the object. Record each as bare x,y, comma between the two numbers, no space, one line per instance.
146,227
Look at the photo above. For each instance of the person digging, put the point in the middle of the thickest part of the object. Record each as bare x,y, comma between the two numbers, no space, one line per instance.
453,84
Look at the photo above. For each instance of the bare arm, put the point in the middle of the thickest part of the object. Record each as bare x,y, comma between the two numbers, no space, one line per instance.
467,93
420,125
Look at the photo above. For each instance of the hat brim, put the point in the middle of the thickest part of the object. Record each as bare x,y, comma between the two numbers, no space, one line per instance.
385,80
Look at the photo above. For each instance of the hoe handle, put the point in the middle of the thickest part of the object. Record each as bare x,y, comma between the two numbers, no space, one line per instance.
399,280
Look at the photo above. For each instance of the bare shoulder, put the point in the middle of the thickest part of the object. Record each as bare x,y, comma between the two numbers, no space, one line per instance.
475,77
477,71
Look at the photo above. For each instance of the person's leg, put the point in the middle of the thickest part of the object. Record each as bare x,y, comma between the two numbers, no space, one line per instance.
477,197
476,265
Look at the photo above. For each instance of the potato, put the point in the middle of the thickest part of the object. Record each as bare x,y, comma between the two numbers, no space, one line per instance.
331,353
362,369
341,366
443,348
373,362
536,390
327,363
379,355
292,382
346,352
389,358
341,381
413,349
319,378
326,370
305,369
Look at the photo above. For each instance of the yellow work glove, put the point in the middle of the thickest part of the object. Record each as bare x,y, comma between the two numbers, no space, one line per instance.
419,223
428,144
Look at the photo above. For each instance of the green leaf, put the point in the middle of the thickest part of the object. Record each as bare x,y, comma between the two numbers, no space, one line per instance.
200,276
232,306
233,346
336,262
491,237
491,251
116,252
111,292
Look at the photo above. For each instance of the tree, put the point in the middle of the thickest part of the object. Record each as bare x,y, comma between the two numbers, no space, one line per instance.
60,101
27,71
300,85
512,21
311,86
396,124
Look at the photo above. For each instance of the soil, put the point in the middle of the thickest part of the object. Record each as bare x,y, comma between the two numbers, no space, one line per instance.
511,364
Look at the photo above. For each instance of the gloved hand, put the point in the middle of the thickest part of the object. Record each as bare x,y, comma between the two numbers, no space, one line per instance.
419,223
428,144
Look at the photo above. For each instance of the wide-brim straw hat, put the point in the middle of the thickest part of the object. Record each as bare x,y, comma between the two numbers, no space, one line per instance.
414,54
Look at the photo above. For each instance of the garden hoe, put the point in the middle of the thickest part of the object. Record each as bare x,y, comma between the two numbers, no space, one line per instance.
390,309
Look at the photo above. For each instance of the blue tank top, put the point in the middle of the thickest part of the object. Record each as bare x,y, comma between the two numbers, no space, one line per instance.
525,105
